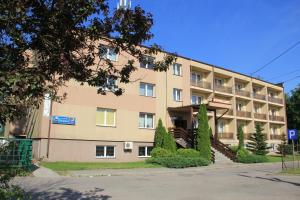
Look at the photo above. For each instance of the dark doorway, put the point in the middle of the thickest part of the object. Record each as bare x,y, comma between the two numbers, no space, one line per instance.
180,123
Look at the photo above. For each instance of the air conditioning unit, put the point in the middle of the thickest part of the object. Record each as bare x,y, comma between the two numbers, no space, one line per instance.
128,145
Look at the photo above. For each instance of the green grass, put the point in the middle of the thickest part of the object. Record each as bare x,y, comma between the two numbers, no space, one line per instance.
295,171
277,158
67,166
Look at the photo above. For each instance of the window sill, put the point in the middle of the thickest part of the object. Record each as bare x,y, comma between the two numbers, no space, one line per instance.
144,156
102,157
98,125
178,100
177,75
147,96
147,128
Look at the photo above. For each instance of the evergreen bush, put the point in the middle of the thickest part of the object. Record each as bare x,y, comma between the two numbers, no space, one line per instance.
160,152
160,132
258,144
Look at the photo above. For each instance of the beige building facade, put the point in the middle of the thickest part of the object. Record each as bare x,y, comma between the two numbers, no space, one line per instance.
109,128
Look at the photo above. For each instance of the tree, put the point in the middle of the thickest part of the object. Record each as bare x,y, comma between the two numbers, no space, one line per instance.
203,134
46,43
258,144
240,137
169,142
160,131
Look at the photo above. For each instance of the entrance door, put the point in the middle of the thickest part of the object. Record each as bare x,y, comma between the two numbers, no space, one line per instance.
180,123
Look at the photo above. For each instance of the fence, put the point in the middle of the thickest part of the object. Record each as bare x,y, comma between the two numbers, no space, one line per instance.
290,159
15,152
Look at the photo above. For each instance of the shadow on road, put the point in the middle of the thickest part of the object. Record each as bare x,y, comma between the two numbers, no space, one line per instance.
67,193
271,179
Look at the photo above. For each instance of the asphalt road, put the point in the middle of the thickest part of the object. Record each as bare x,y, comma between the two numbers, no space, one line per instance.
209,183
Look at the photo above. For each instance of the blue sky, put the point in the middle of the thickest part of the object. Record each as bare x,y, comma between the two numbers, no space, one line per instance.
241,35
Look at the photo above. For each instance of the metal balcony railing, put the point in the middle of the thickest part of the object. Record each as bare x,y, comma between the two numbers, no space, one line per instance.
259,96
201,84
260,116
221,88
225,135
275,100
276,118
247,136
243,114
242,93
229,112
275,137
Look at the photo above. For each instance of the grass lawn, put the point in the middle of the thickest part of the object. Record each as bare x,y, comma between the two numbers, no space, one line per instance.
67,166
277,158
292,171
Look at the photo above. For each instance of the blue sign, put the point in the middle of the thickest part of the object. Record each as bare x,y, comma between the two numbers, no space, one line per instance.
63,120
292,134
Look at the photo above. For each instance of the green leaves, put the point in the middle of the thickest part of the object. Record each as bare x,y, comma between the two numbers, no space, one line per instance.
258,144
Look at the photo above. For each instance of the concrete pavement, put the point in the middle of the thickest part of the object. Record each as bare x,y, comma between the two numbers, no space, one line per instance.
247,182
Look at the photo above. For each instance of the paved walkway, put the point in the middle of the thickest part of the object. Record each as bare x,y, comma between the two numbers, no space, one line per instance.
246,182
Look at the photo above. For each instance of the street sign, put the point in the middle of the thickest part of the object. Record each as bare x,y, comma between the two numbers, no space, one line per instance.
64,120
292,134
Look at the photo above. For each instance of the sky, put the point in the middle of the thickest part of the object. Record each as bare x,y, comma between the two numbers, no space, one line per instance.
240,35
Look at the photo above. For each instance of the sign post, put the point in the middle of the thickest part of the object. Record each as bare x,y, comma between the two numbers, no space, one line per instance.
293,135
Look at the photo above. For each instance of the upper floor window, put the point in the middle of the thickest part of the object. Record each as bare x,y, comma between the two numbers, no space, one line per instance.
177,69
272,94
239,106
257,109
221,126
108,53
239,86
219,81
177,94
255,90
273,111
105,117
146,120
147,89
147,62
196,100
195,77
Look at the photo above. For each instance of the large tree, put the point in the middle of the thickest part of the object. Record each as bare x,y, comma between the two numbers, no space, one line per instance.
45,43
293,109
257,143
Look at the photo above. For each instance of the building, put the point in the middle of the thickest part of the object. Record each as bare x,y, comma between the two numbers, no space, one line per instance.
90,127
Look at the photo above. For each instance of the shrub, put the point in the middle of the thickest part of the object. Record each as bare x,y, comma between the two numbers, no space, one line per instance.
258,144
286,148
234,148
160,152
169,142
160,132
240,137
178,161
244,156
191,153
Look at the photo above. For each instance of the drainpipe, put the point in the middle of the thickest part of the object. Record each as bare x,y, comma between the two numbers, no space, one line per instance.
49,130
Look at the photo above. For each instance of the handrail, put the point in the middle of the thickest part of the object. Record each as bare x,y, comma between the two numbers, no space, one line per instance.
224,149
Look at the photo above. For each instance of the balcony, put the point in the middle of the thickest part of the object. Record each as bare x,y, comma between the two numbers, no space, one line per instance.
259,96
248,135
276,136
221,88
242,93
276,118
201,84
275,100
243,114
221,112
260,116
225,135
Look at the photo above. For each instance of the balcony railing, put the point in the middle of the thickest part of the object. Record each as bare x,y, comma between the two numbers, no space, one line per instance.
242,93
248,135
222,88
243,114
229,112
259,96
276,137
275,100
225,135
260,116
276,118
201,84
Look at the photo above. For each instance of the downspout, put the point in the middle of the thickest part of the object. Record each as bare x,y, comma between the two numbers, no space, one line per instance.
49,130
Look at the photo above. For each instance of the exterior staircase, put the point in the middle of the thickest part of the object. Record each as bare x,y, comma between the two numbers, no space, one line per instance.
221,158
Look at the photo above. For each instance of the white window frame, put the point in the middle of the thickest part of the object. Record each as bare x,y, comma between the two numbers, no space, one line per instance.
145,120
146,151
257,109
108,51
105,117
177,69
146,89
197,97
199,77
222,128
222,81
177,94
240,106
147,58
105,151
239,86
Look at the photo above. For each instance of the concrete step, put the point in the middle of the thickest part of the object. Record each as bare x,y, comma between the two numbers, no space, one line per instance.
220,158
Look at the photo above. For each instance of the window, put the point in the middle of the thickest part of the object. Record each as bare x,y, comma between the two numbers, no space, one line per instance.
147,89
105,117
177,94
196,100
256,109
219,82
255,90
110,84
239,106
105,151
221,126
147,62
239,86
177,69
107,53
273,112
196,78
145,151
273,130
146,120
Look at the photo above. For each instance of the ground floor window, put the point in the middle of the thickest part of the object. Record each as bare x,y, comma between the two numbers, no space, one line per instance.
105,151
145,151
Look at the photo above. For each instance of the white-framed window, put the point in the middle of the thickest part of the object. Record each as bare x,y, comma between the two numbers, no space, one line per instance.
196,100
177,69
105,117
177,94
255,90
239,86
196,77
219,81
147,62
257,109
147,89
146,120
221,126
145,151
105,151
273,111
239,107
108,53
